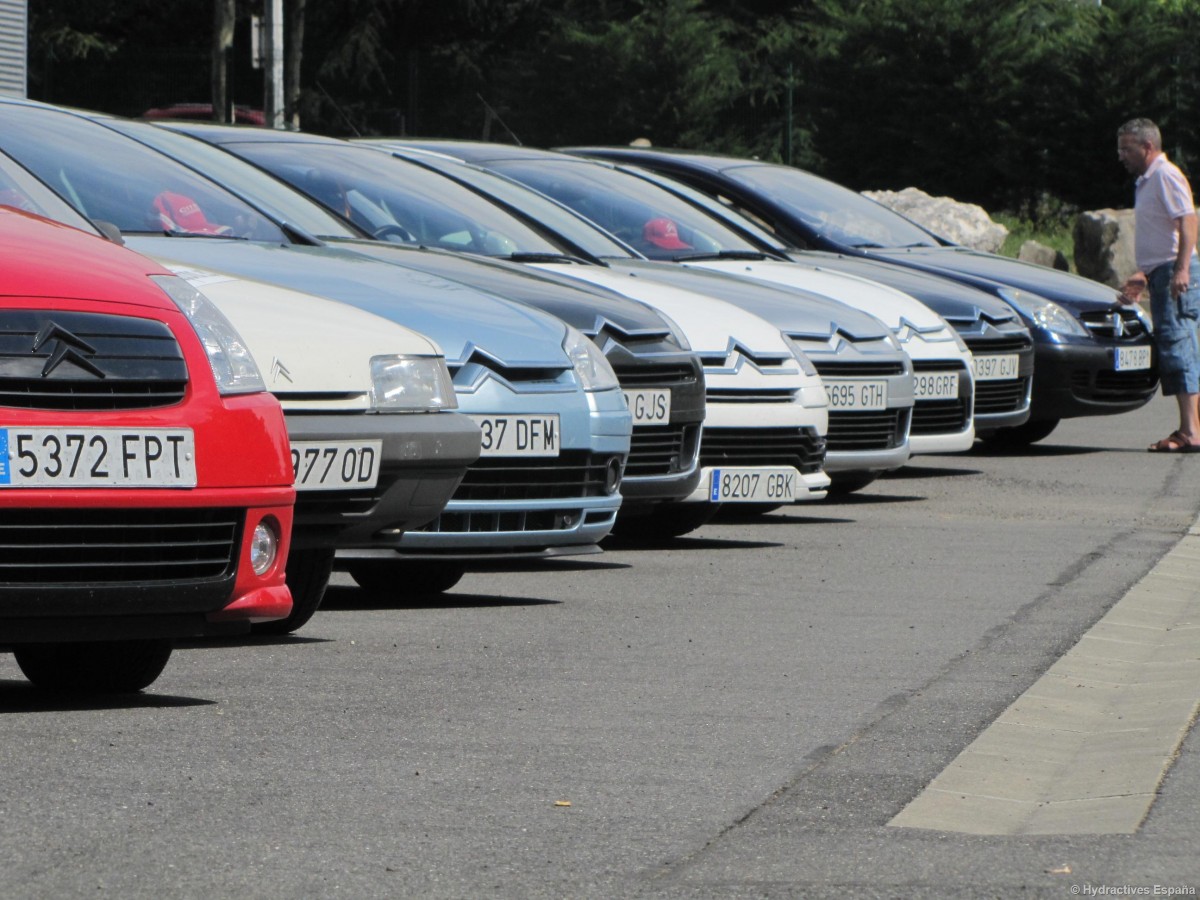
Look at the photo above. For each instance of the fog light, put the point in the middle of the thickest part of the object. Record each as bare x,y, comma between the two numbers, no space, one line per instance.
612,475
264,544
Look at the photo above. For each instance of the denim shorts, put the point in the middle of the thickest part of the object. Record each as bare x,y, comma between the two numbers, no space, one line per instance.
1175,323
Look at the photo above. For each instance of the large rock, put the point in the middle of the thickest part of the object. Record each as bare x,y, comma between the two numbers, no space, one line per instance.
1104,245
1040,254
962,223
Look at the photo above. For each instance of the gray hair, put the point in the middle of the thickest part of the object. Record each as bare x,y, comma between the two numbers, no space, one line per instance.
1143,131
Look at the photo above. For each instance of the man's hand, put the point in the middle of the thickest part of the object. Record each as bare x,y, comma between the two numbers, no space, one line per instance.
1134,287
1179,282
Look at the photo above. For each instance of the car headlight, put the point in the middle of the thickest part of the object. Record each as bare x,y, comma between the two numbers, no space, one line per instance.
806,365
1044,313
232,363
411,384
595,374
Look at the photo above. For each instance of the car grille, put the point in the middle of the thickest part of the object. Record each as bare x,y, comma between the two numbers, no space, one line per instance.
111,362
992,346
488,522
634,378
1103,324
661,450
117,546
802,448
749,395
859,431
858,369
1000,396
1111,385
939,416
574,473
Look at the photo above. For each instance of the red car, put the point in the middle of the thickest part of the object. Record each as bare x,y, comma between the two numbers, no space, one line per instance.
145,475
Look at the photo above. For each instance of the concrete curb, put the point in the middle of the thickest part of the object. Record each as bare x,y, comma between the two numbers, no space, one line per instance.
1084,749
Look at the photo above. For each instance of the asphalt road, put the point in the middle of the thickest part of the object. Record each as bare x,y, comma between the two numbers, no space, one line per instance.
734,714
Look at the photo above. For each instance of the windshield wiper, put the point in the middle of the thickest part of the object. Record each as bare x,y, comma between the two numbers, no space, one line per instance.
720,254
547,257
869,245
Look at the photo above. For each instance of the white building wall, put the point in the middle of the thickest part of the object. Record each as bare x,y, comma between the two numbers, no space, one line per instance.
14,43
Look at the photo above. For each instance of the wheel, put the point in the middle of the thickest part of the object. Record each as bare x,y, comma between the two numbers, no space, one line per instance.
403,579
1022,435
842,483
667,520
100,667
308,574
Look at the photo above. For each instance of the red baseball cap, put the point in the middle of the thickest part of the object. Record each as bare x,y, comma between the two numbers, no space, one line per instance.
665,234
181,213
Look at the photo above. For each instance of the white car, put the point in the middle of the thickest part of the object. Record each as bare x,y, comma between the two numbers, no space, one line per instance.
766,411
375,448
943,368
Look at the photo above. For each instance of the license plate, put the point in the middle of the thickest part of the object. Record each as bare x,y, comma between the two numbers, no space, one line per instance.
336,465
935,385
1129,358
754,485
97,457
519,435
997,368
856,394
649,407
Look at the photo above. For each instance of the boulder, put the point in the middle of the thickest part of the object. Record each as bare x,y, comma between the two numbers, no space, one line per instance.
961,223
1104,245
1040,254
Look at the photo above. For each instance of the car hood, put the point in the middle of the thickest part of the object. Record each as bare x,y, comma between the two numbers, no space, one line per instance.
710,325
892,307
990,272
792,310
591,309
952,300
304,344
459,319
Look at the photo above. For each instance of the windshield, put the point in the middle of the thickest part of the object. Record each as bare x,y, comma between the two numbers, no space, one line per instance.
395,200
651,220
561,221
20,190
832,211
109,177
256,186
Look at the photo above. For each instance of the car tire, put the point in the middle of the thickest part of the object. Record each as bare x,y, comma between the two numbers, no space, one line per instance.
843,483
1021,435
668,520
308,573
405,579
100,667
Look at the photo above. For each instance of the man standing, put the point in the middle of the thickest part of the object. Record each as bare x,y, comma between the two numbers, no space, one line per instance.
1165,248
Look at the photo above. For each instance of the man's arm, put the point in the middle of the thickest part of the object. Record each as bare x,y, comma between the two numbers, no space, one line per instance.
1185,226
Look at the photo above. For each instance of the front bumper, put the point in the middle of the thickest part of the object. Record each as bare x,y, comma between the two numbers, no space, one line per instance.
424,458
526,506
1078,377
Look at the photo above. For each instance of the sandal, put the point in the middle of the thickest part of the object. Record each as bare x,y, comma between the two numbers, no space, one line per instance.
1174,442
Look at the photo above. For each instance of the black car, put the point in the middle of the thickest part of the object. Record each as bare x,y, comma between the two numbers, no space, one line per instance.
1093,355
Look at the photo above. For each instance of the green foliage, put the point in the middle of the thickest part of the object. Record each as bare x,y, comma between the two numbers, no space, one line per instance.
1056,234
997,102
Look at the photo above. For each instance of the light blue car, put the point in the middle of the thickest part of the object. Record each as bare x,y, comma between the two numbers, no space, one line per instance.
555,425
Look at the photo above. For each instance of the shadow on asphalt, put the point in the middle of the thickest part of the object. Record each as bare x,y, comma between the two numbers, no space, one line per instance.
865,498
688,542
910,471
775,517
19,696
1038,450
347,599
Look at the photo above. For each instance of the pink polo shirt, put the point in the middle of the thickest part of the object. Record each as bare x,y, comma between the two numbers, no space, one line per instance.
1161,196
